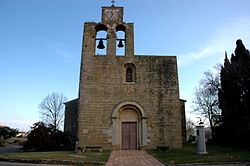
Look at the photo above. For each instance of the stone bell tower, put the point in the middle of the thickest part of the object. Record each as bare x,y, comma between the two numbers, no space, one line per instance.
112,22
125,101
94,120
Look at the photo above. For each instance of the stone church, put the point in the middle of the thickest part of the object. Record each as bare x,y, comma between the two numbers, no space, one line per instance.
125,101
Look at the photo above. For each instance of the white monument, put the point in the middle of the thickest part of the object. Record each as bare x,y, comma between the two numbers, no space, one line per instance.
201,143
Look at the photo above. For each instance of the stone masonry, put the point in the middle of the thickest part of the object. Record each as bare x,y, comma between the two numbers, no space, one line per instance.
108,98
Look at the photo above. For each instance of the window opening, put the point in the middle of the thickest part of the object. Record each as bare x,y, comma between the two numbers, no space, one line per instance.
120,40
129,75
101,43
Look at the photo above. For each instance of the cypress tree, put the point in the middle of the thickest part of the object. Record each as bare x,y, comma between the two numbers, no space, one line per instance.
234,95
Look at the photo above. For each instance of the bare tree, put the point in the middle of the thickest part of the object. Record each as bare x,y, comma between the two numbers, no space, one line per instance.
52,109
206,98
190,128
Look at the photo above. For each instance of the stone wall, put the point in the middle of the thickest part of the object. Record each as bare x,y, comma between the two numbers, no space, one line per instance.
156,89
70,122
183,120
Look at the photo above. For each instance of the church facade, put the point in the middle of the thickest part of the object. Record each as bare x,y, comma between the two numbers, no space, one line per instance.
125,101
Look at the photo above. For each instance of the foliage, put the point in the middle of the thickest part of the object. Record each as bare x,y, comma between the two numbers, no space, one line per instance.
7,132
52,110
215,154
45,138
206,98
234,95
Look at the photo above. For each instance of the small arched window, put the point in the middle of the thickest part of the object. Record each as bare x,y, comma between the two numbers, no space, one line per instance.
129,75
130,72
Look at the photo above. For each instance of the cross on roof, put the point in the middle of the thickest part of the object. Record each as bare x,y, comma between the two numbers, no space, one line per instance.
113,2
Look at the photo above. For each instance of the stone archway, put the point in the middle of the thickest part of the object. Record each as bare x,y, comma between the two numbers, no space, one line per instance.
128,118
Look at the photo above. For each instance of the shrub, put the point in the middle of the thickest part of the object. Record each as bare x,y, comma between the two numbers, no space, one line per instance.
45,138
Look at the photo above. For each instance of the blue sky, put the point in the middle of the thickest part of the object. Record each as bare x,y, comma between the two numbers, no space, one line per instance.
41,40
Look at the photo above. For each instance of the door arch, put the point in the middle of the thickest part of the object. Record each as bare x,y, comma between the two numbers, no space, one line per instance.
128,118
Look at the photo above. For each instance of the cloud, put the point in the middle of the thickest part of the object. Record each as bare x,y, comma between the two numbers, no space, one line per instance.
223,39
59,49
64,54
20,124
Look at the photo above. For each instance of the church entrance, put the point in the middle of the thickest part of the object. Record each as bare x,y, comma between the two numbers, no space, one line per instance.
129,135
129,130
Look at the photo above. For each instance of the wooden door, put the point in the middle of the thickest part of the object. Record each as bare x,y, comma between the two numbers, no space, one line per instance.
129,135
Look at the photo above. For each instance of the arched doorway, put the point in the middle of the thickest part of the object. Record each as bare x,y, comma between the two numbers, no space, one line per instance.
128,126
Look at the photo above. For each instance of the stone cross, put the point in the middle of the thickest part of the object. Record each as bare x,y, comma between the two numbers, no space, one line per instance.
113,2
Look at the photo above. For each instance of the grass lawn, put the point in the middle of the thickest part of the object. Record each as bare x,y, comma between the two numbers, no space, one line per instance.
215,154
60,155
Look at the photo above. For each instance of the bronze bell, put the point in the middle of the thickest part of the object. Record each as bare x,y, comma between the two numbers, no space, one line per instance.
100,45
120,44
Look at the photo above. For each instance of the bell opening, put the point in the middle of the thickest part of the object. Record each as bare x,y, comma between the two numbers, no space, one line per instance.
120,44
100,45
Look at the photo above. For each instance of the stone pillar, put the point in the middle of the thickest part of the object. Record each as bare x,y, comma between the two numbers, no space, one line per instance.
129,50
111,42
144,132
115,129
88,45
201,144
